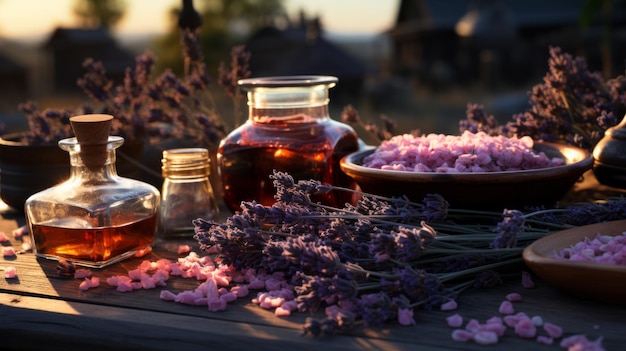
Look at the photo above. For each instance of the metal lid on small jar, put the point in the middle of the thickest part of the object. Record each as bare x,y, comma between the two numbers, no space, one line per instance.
185,163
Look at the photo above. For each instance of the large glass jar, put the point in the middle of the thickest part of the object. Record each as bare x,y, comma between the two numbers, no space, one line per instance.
96,217
288,130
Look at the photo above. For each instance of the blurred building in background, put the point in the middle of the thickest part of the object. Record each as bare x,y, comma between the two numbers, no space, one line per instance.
497,42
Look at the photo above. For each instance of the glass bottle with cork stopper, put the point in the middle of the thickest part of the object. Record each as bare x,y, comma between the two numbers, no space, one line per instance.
187,193
96,217
289,130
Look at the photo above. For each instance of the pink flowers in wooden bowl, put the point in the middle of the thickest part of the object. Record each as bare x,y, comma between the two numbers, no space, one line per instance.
470,171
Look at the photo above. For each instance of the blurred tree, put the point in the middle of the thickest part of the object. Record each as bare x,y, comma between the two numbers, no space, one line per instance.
225,23
99,13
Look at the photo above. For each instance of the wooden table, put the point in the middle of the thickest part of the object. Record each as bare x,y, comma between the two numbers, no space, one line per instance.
41,310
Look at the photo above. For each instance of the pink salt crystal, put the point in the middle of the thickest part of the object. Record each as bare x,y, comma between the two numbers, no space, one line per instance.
167,295
256,284
135,274
3,237
525,329
494,320
497,328
136,285
282,312
143,252
291,305
228,297
187,297
462,335
506,307
473,325
240,290
82,273
537,321
8,251
546,340
124,286
10,272
454,321
485,337
527,280
182,249
26,246
405,316
176,270
95,282
160,277
272,284
147,282
450,305
221,279
216,305
553,330
211,289
145,266
85,284
19,232
514,297
164,264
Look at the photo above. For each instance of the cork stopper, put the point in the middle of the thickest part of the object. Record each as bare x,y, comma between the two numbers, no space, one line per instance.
92,132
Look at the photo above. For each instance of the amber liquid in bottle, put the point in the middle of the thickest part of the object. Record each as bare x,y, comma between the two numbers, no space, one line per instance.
93,244
306,151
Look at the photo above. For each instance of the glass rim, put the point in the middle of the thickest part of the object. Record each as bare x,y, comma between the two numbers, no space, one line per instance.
287,81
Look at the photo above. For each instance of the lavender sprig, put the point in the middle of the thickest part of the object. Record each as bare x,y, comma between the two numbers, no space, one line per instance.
380,255
571,105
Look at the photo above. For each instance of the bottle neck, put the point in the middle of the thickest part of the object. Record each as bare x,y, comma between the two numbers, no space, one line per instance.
78,169
185,164
88,171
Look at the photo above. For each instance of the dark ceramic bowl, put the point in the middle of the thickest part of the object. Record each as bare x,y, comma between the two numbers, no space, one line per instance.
485,190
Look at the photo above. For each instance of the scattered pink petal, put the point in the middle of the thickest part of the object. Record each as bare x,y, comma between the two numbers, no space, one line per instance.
405,316
526,329
546,340
485,337
462,335
216,305
455,320
553,330
514,297
82,273
506,307
527,280
19,232
183,249
8,251
449,305
10,272
167,295
143,252
537,321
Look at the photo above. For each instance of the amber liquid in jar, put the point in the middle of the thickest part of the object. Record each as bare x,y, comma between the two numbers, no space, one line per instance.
78,241
306,150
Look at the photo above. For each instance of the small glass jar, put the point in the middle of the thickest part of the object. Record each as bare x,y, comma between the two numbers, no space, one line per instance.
289,130
187,193
96,217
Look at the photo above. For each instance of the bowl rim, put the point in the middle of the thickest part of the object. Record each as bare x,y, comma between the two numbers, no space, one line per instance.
350,165
539,252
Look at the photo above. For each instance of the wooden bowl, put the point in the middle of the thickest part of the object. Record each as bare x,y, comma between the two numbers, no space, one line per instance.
590,280
484,190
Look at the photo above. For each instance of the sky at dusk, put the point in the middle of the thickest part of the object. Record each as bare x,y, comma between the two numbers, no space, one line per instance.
35,18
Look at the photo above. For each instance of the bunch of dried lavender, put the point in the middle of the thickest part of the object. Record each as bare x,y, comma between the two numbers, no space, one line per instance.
571,105
380,256
146,107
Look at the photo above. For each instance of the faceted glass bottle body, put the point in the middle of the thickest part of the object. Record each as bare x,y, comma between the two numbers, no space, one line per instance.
187,193
95,218
288,130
